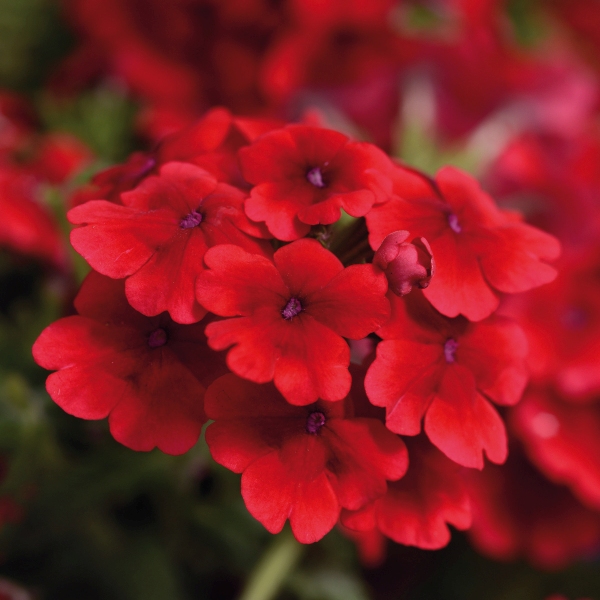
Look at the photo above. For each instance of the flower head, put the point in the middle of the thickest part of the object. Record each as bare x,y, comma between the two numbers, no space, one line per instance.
148,375
302,463
479,249
288,317
158,237
305,175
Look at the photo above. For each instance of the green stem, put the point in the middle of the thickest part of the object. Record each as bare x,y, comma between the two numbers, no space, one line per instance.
357,253
273,568
343,231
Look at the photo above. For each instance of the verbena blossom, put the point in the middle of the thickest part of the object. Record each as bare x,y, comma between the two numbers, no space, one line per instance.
290,315
304,176
146,374
302,463
479,249
406,264
444,372
226,264
418,509
561,439
517,513
158,237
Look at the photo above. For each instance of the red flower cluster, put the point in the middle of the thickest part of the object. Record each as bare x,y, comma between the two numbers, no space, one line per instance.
551,484
274,58
193,256
252,56
113,361
28,161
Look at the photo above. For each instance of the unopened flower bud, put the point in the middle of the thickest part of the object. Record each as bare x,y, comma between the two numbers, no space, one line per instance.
405,264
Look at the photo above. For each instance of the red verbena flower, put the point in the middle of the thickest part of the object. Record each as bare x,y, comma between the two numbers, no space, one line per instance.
304,176
210,142
27,227
158,237
562,324
446,371
556,177
479,249
417,510
517,512
562,440
110,183
291,315
29,161
213,142
59,156
302,463
148,375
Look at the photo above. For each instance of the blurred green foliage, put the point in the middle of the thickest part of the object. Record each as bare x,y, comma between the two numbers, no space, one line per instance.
103,118
32,37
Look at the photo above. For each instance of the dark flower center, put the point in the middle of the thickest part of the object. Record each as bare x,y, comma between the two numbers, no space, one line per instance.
450,350
314,422
454,224
575,318
157,338
148,165
192,220
291,309
315,177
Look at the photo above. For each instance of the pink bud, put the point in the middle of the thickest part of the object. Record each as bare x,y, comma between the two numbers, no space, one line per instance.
405,263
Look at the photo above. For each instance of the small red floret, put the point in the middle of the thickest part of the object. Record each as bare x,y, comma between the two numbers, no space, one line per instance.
147,375
158,237
291,315
480,250
417,510
445,371
305,175
302,463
